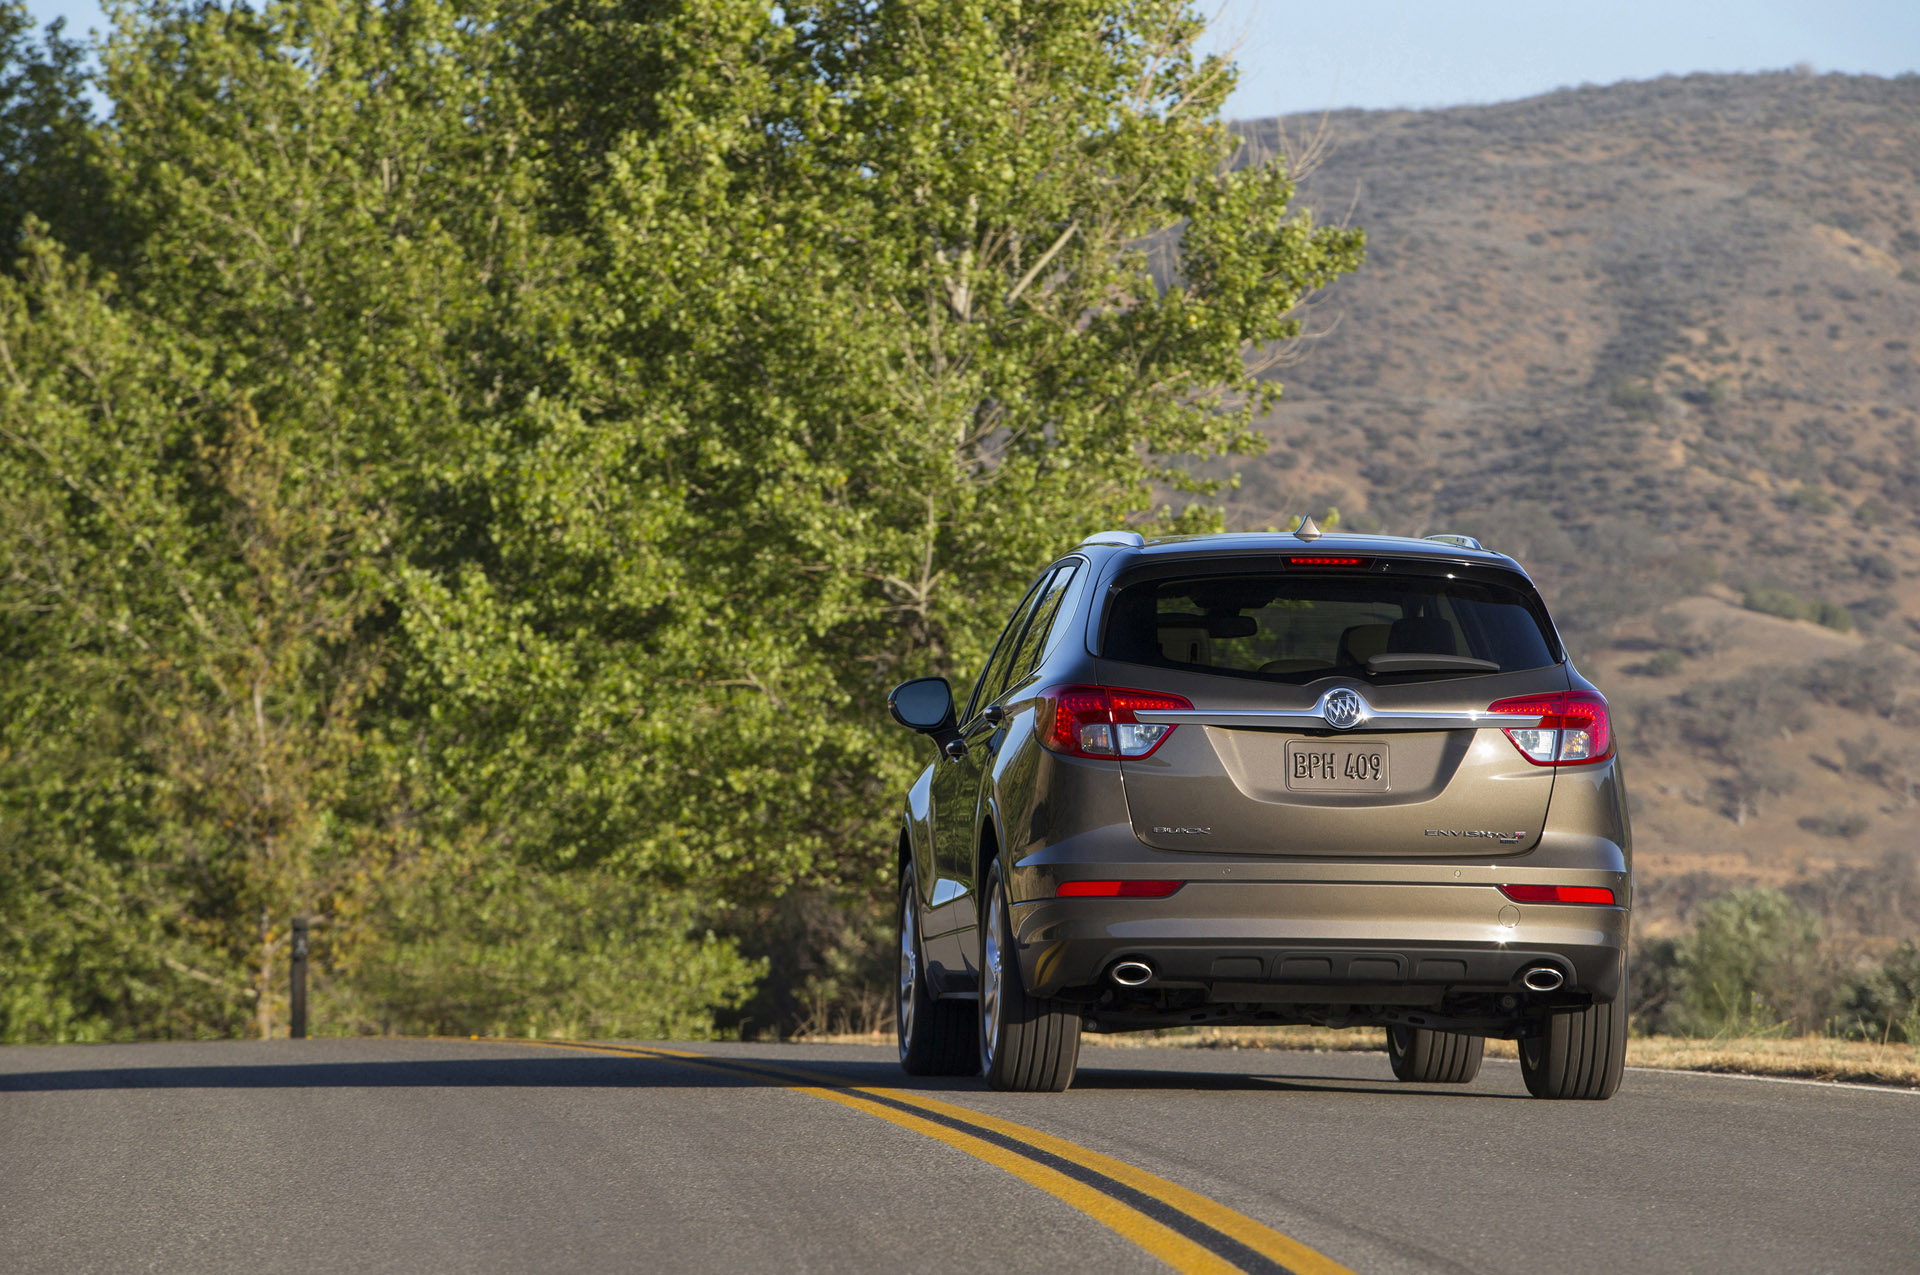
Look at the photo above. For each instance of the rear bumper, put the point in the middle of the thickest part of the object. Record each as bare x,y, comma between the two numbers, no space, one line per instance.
1323,942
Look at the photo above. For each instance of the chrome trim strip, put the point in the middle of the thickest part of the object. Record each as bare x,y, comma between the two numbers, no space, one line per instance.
1366,717
1311,719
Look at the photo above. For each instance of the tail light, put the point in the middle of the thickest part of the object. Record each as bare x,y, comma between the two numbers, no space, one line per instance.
1098,721
1559,894
1116,889
1574,729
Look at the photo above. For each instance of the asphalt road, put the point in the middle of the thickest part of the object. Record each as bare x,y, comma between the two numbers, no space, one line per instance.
420,1156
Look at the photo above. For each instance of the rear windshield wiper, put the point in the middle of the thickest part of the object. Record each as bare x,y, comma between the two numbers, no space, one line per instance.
1414,662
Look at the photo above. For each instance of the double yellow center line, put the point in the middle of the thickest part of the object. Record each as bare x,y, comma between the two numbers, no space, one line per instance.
1184,1229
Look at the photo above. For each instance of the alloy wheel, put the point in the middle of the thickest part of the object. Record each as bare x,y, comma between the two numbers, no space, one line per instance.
991,973
909,970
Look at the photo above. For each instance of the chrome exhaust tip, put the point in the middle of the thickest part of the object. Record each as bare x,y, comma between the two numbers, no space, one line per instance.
1543,978
1131,973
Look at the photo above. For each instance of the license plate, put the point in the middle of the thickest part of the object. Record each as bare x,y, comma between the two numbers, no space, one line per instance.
1314,766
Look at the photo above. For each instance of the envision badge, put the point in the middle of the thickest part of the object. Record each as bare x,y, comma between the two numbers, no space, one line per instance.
1342,708
1188,832
1505,838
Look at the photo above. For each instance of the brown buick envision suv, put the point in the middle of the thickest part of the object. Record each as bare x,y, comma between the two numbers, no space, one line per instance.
1281,778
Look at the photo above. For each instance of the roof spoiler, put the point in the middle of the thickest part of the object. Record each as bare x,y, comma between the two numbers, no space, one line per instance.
1125,539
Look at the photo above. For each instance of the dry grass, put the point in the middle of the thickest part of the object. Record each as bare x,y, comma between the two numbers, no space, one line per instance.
1810,1057
1319,1040
1807,1057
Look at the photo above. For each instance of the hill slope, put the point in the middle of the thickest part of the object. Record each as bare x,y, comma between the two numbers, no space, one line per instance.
1661,341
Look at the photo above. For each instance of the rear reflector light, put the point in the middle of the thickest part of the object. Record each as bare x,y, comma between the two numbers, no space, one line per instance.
1558,894
1117,889
1098,721
1326,562
1574,728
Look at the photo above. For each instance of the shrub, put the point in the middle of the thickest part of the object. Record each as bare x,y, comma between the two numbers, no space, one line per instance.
1653,985
1739,719
1813,500
1896,769
1671,629
1876,566
1872,512
1831,615
1885,1004
1773,600
1642,402
1834,823
1877,606
581,954
1665,664
1734,713
1757,775
1752,966
1878,680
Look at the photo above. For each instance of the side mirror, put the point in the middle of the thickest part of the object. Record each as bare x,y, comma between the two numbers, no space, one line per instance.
926,705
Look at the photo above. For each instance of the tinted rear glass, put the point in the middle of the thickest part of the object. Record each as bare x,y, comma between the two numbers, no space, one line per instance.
1295,628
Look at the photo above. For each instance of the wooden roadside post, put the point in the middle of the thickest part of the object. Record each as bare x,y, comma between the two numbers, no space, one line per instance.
297,969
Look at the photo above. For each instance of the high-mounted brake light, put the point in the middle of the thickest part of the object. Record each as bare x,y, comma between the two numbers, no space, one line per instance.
1116,889
1325,562
1574,729
1559,894
1098,721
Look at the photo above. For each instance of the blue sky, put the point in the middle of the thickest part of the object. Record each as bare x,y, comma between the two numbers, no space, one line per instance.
1388,53
1383,53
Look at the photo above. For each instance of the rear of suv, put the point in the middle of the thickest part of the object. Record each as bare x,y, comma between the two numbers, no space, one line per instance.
1269,779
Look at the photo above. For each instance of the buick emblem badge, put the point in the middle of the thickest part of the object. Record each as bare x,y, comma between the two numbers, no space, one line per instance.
1342,708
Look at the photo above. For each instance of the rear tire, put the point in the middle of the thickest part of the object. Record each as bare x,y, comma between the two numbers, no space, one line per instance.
1580,1054
937,1038
1429,1057
1027,1044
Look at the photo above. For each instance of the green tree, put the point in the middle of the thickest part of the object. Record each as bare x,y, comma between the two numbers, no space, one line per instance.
529,440
897,302
880,331
196,591
218,460
45,130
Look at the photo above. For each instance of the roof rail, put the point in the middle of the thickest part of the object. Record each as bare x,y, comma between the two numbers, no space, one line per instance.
1459,542
1128,539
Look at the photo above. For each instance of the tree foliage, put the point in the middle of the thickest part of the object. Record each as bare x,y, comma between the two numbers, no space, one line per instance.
44,128
474,470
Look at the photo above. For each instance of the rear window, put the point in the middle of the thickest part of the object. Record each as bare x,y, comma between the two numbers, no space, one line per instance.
1295,628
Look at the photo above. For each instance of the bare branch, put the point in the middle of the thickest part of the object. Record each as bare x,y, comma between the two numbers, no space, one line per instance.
1045,257
211,980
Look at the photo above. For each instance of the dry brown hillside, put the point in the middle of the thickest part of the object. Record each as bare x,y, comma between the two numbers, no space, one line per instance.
1661,341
